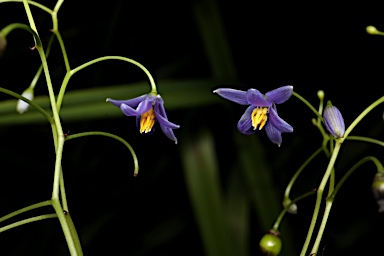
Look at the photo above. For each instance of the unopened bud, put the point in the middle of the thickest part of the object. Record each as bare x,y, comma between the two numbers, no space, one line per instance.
320,94
292,209
371,30
378,190
22,106
334,121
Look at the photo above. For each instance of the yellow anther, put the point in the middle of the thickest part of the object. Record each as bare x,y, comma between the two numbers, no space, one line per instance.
259,117
147,120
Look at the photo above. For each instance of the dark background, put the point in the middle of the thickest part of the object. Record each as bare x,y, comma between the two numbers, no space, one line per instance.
311,47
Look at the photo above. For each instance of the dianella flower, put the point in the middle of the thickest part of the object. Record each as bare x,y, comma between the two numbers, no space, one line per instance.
334,121
148,109
261,111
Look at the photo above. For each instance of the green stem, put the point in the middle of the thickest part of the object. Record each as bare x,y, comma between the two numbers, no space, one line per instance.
378,164
293,179
57,175
61,42
362,115
31,3
320,195
34,105
38,73
75,236
370,140
135,161
73,249
25,209
309,105
68,76
284,211
328,206
331,197
62,193
29,220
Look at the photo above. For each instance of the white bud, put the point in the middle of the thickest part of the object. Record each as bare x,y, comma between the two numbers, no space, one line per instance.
22,106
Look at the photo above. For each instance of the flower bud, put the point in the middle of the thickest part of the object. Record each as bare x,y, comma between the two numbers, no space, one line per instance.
334,121
270,243
378,190
292,209
371,30
22,106
320,94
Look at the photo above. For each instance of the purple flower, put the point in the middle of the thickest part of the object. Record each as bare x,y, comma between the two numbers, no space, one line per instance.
334,121
261,111
148,109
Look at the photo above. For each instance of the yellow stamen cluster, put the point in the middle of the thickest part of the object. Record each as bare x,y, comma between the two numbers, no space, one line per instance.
259,117
147,120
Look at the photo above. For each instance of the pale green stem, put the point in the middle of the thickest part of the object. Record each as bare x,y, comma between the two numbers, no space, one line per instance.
61,42
57,175
74,234
69,74
26,221
44,8
38,73
135,161
320,195
284,211
309,105
25,209
331,197
293,179
58,5
370,140
315,248
62,193
362,115
73,249
34,105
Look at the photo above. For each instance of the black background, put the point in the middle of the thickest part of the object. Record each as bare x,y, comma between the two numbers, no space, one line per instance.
310,46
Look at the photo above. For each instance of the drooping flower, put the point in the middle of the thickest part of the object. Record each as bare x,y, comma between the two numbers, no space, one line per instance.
334,121
148,109
261,111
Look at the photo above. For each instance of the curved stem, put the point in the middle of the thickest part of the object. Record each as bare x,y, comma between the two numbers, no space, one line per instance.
284,211
331,198
309,105
25,209
38,73
370,140
34,105
61,42
31,3
320,195
29,220
362,115
69,74
135,161
293,179
378,164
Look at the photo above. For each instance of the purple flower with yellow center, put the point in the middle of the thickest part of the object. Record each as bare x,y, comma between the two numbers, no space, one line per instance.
261,111
148,109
